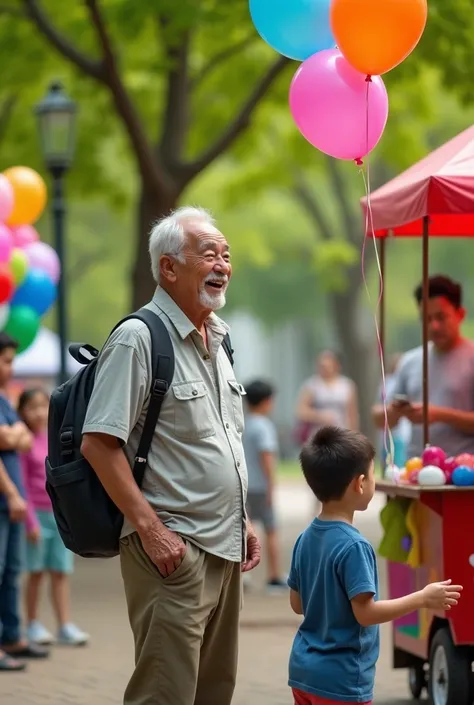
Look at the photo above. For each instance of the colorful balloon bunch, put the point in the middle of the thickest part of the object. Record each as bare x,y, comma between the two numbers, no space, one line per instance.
29,269
337,98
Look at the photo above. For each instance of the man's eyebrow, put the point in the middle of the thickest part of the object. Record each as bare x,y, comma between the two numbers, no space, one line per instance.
211,245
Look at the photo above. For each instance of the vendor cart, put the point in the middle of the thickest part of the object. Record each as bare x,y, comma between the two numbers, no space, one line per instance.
432,198
436,647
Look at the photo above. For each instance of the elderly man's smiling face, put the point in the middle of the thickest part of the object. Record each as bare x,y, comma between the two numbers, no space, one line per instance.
202,277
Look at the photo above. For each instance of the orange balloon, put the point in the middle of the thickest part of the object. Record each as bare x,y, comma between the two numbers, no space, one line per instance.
413,464
377,35
30,195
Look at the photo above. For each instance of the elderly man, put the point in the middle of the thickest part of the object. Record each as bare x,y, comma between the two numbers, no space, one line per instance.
186,538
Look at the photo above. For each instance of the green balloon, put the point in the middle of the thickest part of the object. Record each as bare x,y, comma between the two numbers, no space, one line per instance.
18,265
22,325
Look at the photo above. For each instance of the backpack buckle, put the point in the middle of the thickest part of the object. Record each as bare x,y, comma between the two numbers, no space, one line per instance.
160,387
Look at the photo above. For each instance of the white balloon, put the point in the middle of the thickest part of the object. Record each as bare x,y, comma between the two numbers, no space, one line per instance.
431,475
4,313
392,472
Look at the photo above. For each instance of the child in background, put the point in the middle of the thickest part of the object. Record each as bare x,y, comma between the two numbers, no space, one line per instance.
45,549
333,579
261,452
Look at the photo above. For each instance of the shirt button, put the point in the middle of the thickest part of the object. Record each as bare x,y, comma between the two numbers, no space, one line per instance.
238,464
227,425
194,392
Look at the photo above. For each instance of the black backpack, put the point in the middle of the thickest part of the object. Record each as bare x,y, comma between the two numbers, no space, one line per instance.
88,521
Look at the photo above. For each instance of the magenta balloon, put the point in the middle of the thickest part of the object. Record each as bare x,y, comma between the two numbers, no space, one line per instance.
42,256
6,244
7,197
334,107
24,235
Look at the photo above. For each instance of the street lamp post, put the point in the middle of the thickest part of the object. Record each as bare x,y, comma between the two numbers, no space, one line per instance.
56,116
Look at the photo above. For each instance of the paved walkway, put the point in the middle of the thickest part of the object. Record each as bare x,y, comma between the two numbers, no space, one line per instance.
96,675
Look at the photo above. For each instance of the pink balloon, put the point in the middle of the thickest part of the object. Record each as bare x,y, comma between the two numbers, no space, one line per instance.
6,244
7,197
334,107
432,455
24,235
42,256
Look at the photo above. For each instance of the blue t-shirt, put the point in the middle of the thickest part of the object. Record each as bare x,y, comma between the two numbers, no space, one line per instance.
260,436
10,458
333,657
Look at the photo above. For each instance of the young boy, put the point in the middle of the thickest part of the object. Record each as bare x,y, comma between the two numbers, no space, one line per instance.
261,451
333,579
14,438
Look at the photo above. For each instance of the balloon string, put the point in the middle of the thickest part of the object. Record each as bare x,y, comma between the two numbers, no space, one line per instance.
369,227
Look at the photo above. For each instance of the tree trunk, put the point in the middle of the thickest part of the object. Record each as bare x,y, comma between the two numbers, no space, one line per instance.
357,349
151,206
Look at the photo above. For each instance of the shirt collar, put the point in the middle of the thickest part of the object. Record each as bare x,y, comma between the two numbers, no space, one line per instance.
181,322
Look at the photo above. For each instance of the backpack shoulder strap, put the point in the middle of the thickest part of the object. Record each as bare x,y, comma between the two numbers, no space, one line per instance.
227,345
162,357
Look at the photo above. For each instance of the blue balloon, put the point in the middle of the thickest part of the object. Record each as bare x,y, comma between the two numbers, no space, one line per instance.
295,28
463,476
37,291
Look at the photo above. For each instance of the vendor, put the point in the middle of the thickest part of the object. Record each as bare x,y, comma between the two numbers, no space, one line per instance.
451,377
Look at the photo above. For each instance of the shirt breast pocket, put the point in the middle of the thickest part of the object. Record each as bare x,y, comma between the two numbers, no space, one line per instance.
237,393
192,411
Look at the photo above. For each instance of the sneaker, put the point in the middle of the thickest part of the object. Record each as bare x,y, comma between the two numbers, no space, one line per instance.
38,634
70,635
277,585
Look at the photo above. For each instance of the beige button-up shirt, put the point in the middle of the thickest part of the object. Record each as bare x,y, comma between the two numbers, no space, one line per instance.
196,477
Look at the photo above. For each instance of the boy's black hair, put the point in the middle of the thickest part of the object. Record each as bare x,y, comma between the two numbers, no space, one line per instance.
439,285
258,391
7,343
332,458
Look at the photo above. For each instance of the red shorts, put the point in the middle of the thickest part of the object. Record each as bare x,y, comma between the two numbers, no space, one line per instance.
307,699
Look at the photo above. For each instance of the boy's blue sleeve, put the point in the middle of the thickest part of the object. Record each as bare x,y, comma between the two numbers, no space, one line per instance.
357,569
293,577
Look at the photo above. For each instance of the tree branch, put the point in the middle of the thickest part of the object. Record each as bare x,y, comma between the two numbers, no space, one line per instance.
149,169
221,57
309,202
176,116
239,124
89,66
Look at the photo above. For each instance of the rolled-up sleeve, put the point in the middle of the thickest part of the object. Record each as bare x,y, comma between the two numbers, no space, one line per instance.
119,393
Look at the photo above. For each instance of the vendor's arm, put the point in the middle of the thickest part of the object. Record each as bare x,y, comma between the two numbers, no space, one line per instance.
306,412
461,420
395,410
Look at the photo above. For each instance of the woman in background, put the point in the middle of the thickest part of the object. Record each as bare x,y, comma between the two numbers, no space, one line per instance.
327,399
46,552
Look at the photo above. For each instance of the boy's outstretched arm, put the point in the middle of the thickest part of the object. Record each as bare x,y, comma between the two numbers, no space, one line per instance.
437,596
295,602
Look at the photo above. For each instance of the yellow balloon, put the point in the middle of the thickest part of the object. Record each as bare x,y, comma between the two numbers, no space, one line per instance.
30,195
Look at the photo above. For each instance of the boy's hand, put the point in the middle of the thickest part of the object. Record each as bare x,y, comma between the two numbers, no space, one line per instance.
441,596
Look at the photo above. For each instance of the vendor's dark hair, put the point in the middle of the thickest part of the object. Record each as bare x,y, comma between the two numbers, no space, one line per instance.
439,285
7,342
332,458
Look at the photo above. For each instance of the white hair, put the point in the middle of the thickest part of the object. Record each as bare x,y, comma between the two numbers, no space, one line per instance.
168,235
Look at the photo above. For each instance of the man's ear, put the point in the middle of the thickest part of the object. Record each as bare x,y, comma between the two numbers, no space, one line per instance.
167,268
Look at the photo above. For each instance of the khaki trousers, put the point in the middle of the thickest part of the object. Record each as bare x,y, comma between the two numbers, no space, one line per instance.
185,627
